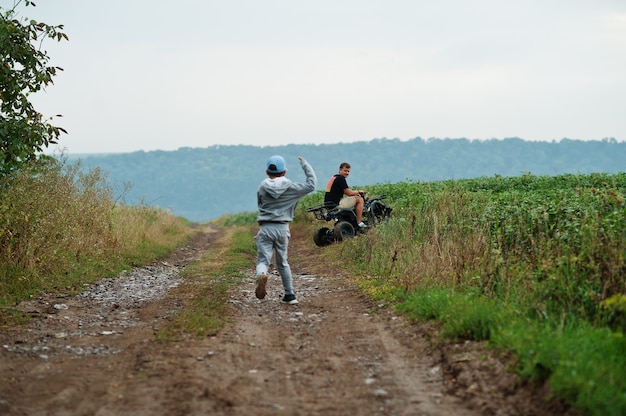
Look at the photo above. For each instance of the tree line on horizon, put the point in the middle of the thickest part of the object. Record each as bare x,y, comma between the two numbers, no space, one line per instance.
201,184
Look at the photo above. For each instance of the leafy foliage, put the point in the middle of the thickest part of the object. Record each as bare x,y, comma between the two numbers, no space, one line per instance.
24,70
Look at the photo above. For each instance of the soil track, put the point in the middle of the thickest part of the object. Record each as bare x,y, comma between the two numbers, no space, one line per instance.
335,353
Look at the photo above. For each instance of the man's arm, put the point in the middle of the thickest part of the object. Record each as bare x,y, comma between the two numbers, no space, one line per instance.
351,192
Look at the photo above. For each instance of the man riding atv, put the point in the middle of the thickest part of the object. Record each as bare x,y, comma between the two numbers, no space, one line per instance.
338,193
344,222
344,208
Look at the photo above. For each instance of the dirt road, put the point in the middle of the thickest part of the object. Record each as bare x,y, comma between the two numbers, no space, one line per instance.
335,353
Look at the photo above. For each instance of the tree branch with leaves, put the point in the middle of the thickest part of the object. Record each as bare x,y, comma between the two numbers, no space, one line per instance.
24,70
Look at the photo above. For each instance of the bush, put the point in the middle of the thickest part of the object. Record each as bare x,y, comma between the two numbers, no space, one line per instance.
61,227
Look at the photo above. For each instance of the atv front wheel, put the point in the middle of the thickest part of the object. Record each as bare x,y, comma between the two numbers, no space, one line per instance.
343,230
371,218
377,212
322,237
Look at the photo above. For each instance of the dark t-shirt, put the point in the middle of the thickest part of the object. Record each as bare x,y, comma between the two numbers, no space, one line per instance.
334,189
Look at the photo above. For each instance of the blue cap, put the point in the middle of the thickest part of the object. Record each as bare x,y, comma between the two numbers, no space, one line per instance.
276,164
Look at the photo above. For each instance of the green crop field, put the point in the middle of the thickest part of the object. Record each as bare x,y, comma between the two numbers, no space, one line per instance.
533,264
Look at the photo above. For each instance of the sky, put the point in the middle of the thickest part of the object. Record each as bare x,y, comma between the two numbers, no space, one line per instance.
161,75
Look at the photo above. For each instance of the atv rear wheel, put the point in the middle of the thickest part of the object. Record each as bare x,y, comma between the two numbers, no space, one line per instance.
343,230
322,237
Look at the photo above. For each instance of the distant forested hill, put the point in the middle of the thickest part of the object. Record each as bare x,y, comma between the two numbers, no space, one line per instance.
205,183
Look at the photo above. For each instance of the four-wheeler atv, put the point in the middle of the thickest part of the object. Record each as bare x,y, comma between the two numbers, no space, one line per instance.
344,220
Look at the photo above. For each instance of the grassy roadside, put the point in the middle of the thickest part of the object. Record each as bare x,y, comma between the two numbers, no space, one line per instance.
61,229
533,265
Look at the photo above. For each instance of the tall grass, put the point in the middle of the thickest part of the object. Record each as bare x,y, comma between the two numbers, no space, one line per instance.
558,242
517,261
61,227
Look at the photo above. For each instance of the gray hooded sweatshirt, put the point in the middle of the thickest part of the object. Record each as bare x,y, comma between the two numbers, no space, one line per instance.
277,197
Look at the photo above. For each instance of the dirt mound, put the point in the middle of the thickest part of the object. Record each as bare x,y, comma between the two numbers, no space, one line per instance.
335,353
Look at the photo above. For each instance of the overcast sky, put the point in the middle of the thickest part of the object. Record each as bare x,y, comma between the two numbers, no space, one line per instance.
160,75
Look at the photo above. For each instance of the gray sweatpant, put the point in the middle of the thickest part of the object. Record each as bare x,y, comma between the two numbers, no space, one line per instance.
274,239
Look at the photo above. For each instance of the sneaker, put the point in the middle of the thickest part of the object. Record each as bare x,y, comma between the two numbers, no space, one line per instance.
290,299
362,224
261,281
